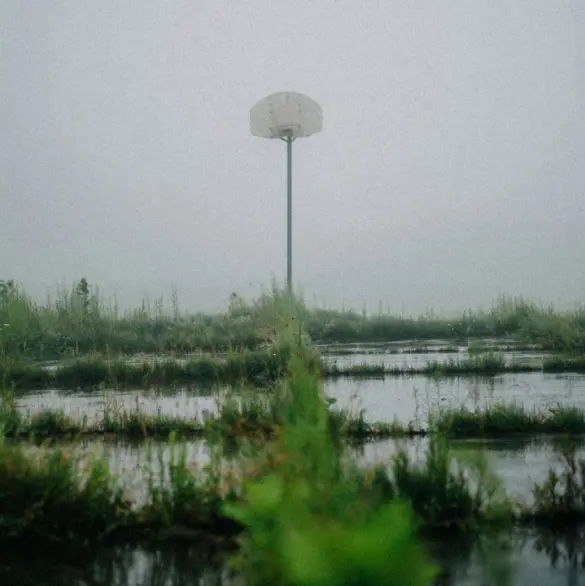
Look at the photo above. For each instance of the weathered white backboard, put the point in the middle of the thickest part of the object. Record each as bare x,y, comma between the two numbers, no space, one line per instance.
286,114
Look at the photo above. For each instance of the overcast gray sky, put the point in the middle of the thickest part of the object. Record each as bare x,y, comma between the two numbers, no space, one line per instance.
451,167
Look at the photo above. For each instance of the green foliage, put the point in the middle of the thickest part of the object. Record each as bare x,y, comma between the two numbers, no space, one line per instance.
187,500
77,322
307,516
43,498
501,420
258,366
561,498
288,544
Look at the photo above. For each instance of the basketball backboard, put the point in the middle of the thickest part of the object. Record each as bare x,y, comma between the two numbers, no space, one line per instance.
284,115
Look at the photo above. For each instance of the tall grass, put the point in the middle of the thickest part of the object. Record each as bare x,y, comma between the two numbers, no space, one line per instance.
77,322
503,420
255,366
560,500
43,498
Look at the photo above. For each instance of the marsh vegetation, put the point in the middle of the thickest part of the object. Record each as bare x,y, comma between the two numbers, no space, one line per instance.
294,489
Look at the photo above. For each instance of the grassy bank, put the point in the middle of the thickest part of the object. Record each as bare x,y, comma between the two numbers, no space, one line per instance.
78,322
480,365
258,367
263,414
247,414
424,348
507,421
253,366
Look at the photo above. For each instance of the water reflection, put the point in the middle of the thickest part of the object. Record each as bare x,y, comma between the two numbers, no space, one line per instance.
521,559
520,463
405,399
127,566
412,398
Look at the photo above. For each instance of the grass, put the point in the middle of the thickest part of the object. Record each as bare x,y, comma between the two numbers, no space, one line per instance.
262,413
54,497
487,364
500,421
239,414
43,499
560,500
296,506
77,322
279,491
254,366
257,367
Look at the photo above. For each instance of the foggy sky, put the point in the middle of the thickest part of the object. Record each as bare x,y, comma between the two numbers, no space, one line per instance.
451,166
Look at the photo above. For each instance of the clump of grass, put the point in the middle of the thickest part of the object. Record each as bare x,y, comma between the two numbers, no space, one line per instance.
363,370
564,364
485,364
501,420
442,498
52,423
44,500
260,367
560,500
134,423
11,419
304,501
350,424
189,502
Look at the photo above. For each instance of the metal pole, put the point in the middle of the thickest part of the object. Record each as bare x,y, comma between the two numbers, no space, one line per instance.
289,141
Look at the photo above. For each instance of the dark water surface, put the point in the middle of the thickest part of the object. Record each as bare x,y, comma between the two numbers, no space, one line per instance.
530,559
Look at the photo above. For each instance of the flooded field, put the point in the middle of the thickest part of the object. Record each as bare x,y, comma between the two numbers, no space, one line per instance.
407,360
404,399
533,559
519,463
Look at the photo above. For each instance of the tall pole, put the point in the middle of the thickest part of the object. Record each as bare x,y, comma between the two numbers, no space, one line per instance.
289,141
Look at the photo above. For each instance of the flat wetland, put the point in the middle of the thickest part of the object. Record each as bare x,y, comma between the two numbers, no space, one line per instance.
149,425
520,463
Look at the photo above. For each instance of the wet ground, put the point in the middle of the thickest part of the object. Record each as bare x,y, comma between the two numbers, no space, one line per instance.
533,560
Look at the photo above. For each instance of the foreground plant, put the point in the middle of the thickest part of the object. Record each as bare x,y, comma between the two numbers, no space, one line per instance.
307,516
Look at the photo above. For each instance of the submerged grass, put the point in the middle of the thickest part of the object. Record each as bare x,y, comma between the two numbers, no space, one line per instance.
238,415
486,364
263,413
504,420
560,500
44,499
